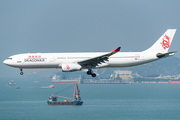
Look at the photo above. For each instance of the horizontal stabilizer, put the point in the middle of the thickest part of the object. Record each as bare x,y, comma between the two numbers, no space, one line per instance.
162,55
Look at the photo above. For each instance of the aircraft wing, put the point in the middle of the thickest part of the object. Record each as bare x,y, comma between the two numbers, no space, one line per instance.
99,59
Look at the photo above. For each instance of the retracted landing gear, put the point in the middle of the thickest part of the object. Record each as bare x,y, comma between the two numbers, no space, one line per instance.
21,73
90,72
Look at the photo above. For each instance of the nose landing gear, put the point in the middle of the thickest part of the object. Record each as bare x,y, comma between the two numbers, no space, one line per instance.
21,73
90,72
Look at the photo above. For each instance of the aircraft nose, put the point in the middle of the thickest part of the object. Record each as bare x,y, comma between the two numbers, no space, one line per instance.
5,62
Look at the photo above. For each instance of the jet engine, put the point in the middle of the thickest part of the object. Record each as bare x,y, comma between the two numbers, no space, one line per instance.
70,67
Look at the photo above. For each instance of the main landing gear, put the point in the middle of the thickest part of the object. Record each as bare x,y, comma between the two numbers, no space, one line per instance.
90,72
21,73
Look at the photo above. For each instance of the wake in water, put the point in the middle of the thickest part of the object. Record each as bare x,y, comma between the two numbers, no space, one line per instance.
45,87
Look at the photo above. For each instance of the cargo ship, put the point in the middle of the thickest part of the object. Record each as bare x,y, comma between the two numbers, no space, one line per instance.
57,80
175,81
76,100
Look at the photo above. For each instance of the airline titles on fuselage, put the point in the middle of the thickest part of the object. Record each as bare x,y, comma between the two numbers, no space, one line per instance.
34,58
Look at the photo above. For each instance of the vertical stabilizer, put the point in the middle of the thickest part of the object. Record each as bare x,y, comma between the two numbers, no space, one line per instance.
163,43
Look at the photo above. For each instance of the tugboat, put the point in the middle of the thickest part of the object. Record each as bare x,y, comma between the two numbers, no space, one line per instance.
76,100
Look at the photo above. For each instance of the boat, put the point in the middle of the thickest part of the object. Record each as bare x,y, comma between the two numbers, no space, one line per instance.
11,82
56,80
51,86
175,81
76,100
17,87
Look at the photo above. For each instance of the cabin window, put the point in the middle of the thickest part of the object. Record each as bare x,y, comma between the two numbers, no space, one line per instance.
61,57
78,57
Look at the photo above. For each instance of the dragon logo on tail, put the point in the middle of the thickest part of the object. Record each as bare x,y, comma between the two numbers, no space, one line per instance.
166,41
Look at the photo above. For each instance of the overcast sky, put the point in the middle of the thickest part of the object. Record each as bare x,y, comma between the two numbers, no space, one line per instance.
84,26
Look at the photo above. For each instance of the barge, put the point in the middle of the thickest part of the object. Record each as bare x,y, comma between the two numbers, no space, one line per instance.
76,100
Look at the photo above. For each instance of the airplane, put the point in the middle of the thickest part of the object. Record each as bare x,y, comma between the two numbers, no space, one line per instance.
70,62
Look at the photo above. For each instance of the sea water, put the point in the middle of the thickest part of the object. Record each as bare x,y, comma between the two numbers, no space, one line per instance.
101,101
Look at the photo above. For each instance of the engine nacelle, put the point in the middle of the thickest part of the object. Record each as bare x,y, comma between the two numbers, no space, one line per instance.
70,67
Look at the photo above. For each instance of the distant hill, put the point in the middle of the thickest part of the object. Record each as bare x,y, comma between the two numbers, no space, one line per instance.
166,66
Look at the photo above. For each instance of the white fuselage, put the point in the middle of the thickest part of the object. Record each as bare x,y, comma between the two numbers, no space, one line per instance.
70,62
54,60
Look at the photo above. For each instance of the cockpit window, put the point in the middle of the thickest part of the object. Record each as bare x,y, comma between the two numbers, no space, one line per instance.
9,58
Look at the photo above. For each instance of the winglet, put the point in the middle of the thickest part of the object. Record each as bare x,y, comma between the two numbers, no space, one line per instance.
116,50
